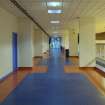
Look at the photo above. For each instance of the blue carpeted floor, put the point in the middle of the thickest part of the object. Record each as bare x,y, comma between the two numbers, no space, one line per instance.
55,88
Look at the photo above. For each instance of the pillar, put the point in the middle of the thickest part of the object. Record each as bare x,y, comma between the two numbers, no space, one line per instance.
87,50
25,43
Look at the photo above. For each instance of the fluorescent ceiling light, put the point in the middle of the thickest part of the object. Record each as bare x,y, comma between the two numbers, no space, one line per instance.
58,11
55,32
55,21
54,4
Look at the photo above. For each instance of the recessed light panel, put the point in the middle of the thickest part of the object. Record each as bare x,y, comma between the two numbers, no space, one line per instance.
54,4
55,22
59,11
55,32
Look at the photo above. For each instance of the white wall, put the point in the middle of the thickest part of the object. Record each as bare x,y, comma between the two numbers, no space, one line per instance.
25,42
73,37
25,30
8,24
70,41
40,43
100,25
87,42
73,42
45,43
37,42
65,39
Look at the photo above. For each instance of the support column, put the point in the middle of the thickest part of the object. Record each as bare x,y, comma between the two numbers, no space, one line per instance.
87,49
25,43
73,43
45,43
37,42
66,39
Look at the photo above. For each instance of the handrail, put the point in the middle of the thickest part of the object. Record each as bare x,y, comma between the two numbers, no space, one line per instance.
95,59
28,15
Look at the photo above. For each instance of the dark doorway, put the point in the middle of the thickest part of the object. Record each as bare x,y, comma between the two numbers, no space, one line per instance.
55,42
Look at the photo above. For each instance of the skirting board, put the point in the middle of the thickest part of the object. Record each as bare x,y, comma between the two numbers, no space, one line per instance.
87,68
25,68
74,56
6,76
37,57
19,68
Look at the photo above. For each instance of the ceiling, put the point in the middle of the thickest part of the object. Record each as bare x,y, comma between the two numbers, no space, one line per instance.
72,10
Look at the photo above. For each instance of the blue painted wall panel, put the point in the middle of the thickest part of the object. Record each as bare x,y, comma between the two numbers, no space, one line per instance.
14,45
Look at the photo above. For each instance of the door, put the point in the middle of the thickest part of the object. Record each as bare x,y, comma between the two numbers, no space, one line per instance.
14,48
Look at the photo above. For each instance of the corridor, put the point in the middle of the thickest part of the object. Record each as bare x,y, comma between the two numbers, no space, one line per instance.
52,52
55,87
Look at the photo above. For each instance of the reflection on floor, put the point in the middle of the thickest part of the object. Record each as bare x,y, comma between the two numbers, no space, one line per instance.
40,64
72,61
57,80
